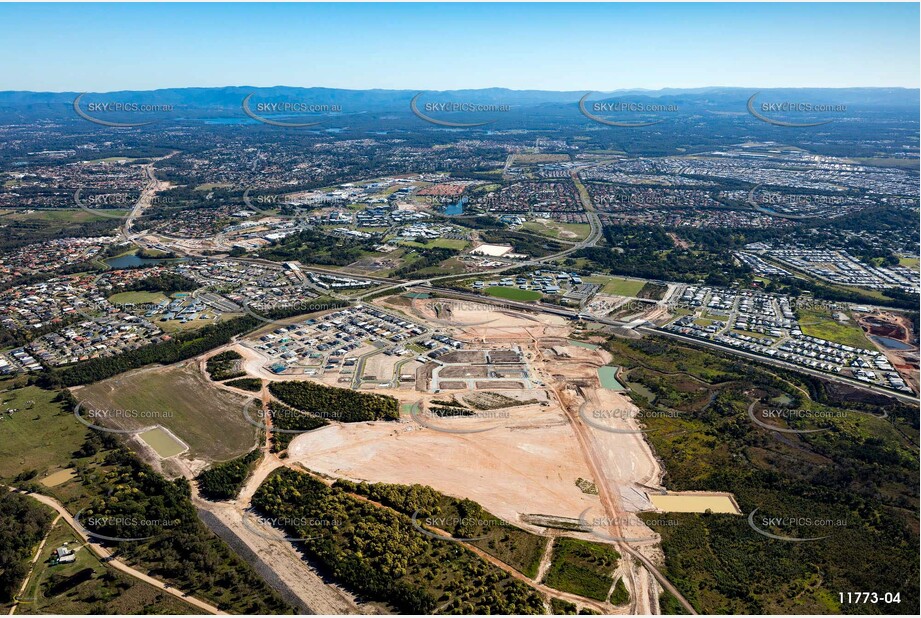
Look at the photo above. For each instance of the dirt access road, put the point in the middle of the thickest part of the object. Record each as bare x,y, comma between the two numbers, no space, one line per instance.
106,556
269,553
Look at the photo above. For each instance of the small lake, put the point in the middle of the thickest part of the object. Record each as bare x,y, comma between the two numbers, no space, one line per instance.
163,442
456,209
228,121
608,378
892,344
131,260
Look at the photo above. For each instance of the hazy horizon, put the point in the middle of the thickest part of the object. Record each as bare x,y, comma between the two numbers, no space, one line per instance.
432,90
544,46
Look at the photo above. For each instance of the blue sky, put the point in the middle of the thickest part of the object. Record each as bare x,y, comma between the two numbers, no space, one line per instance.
103,47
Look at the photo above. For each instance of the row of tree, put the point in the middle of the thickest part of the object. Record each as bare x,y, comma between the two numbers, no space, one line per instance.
23,524
339,404
181,347
223,481
291,423
377,552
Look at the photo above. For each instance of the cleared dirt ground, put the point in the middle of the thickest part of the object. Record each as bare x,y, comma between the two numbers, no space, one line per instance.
528,463
518,460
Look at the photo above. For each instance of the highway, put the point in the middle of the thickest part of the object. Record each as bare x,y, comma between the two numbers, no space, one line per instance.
872,388
651,330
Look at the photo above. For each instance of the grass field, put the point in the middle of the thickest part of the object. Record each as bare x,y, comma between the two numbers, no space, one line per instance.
162,442
137,298
911,262
440,243
904,164
183,401
41,437
507,293
103,591
821,323
114,160
617,286
554,229
62,215
451,266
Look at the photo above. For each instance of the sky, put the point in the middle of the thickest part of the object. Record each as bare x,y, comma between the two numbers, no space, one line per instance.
106,47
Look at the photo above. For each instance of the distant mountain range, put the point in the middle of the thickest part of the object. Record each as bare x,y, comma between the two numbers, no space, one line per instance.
230,97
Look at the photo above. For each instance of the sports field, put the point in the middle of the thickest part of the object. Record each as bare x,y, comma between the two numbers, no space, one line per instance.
617,286
508,293
137,298
163,442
